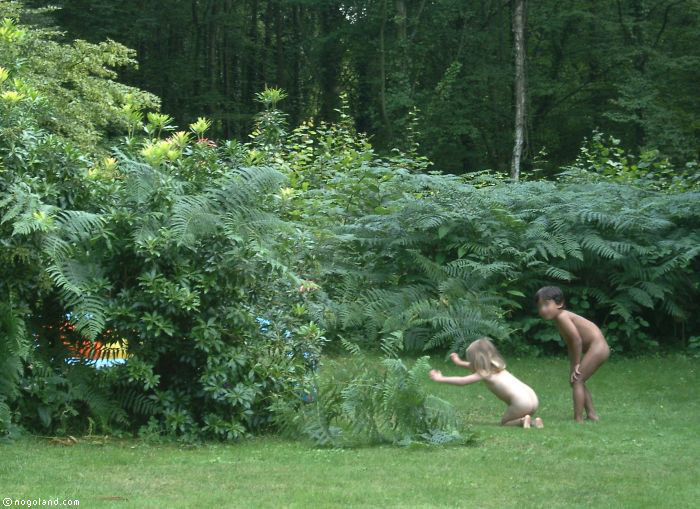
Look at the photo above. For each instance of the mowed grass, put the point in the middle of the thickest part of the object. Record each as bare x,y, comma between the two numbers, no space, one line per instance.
643,453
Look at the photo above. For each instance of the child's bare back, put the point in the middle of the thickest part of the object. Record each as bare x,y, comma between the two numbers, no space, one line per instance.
512,391
489,367
589,332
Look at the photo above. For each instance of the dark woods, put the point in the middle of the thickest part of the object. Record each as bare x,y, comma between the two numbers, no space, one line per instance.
627,67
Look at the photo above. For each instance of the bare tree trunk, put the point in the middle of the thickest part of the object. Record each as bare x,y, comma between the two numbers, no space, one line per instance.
253,69
267,78
402,20
402,38
382,73
295,85
330,59
520,86
212,35
279,45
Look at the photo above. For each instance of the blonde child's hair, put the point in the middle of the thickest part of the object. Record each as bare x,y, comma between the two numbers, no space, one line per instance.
484,358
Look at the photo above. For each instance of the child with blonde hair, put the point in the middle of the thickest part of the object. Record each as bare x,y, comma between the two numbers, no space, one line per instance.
489,367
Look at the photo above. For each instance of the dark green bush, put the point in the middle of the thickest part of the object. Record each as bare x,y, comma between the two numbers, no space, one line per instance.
446,259
183,247
171,245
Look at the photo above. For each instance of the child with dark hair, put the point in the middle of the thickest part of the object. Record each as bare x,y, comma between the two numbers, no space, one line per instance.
587,347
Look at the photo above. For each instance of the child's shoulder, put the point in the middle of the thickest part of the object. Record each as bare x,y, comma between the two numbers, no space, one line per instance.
567,315
563,316
574,317
494,375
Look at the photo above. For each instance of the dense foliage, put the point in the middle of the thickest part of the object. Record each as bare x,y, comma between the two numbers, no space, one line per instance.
445,259
224,267
361,403
629,67
170,245
71,86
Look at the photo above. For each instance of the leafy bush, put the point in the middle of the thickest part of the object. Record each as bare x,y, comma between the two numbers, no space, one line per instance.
72,87
180,246
626,258
602,158
373,404
178,268
444,259
170,244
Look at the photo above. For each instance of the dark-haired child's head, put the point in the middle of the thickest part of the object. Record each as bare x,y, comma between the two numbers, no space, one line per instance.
549,301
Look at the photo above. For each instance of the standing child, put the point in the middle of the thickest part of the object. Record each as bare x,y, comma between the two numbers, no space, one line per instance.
489,366
586,345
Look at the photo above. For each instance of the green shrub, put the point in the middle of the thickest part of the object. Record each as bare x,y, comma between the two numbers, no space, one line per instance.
169,244
71,87
181,246
444,259
373,403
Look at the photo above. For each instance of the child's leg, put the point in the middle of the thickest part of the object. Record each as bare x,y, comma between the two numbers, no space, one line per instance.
522,422
516,415
588,404
590,363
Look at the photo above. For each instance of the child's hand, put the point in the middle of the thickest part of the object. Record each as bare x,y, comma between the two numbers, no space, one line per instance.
435,375
454,357
575,373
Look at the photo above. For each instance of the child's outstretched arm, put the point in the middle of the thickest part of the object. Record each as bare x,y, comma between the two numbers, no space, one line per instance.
436,376
455,358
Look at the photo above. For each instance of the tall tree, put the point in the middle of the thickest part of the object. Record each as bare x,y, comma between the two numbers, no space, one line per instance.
519,49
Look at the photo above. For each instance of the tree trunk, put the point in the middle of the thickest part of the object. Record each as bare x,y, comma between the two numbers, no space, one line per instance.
520,86
252,71
213,35
402,21
279,45
330,62
295,87
267,46
382,73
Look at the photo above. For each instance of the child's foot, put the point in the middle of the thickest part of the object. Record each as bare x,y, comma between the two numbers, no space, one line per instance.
579,420
538,423
526,421
593,417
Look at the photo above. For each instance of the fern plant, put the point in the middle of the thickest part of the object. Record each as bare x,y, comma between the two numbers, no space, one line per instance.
14,349
373,403
450,260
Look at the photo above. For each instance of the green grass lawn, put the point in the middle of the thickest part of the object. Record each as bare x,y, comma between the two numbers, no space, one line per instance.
645,452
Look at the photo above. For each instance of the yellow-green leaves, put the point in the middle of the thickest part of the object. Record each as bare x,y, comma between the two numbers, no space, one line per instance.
9,32
201,126
270,97
11,96
157,152
180,139
105,169
157,123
